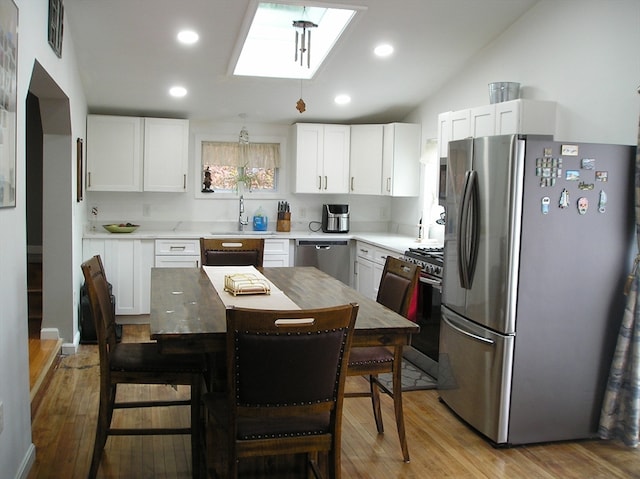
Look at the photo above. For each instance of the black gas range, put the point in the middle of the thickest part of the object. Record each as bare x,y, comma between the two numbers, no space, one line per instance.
424,350
430,260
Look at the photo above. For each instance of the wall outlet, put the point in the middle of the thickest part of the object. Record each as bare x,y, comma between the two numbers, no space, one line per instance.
1,417
303,212
146,210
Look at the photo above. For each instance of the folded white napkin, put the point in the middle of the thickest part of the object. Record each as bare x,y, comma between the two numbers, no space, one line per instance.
276,300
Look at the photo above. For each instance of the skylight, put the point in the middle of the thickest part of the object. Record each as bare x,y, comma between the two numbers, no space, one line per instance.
269,49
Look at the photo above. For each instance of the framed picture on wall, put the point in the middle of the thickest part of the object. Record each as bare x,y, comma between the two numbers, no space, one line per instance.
56,16
8,100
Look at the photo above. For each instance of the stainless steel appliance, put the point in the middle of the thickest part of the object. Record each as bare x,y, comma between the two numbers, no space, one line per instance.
335,218
538,242
424,347
331,256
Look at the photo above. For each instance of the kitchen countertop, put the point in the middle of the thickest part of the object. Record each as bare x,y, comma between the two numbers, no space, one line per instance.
394,242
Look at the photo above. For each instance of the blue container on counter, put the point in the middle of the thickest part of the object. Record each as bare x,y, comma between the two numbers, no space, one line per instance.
260,221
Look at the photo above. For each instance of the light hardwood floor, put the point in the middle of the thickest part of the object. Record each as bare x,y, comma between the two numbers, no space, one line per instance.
440,445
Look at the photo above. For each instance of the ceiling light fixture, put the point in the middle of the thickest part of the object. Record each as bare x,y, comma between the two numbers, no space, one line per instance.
305,43
383,50
177,91
188,37
342,99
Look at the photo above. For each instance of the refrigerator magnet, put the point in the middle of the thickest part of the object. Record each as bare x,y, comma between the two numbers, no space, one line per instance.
564,198
602,202
587,163
583,205
545,205
602,175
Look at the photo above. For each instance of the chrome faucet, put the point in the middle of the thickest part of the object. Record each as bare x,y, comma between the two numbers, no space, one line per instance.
242,222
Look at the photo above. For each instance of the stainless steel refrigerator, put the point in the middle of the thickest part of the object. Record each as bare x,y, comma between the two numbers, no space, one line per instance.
538,243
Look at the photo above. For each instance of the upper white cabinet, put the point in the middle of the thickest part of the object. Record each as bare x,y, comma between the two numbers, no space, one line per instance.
321,158
510,117
136,154
114,153
365,163
166,150
401,159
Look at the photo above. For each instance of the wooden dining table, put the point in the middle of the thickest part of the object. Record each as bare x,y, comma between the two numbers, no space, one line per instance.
188,316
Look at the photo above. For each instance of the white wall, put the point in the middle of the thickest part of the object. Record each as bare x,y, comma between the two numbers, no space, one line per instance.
583,54
16,449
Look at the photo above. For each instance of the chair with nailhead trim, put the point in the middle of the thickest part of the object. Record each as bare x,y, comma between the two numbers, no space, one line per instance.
285,386
397,286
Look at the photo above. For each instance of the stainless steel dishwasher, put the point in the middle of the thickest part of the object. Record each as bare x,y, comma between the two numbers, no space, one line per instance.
331,256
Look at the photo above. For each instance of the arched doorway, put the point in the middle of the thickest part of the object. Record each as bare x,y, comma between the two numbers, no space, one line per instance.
49,189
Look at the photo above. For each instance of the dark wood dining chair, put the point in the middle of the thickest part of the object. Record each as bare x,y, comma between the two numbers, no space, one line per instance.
231,251
397,286
137,363
285,387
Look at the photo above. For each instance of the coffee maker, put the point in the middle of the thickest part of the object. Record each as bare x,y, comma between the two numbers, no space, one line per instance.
335,218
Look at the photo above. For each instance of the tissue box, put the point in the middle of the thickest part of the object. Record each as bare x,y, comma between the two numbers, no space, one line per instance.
245,283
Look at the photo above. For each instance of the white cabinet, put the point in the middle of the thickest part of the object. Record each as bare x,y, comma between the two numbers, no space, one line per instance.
321,158
511,117
136,154
401,159
114,153
370,261
127,264
365,163
177,253
276,253
526,116
166,150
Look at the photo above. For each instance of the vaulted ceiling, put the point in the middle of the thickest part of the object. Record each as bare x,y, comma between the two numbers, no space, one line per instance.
128,58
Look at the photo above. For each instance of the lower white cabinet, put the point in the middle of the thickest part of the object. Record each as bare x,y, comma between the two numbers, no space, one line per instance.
276,253
127,264
177,253
370,261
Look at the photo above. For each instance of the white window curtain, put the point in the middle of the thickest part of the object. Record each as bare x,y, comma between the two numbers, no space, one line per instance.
253,155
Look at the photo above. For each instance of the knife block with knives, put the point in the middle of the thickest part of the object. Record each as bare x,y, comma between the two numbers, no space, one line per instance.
284,217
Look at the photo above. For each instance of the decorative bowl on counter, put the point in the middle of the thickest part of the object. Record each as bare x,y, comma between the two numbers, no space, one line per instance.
121,228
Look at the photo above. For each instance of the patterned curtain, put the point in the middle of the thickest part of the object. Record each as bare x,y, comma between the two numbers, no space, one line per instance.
620,415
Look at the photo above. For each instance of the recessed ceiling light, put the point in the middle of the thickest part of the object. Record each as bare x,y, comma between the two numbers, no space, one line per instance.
188,37
177,91
342,99
383,50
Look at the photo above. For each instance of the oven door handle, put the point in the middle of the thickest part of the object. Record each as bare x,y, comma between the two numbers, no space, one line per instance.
431,281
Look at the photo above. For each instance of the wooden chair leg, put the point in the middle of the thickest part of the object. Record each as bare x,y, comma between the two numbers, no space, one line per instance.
196,427
105,413
397,403
375,402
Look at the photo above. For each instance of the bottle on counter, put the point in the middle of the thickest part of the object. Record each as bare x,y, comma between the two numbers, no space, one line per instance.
260,220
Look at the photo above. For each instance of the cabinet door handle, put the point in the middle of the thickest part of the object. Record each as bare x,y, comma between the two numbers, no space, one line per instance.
325,182
89,179
389,184
352,183
184,182
177,248
319,182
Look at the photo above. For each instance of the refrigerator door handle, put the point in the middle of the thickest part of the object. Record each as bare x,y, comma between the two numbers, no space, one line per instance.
467,333
467,239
